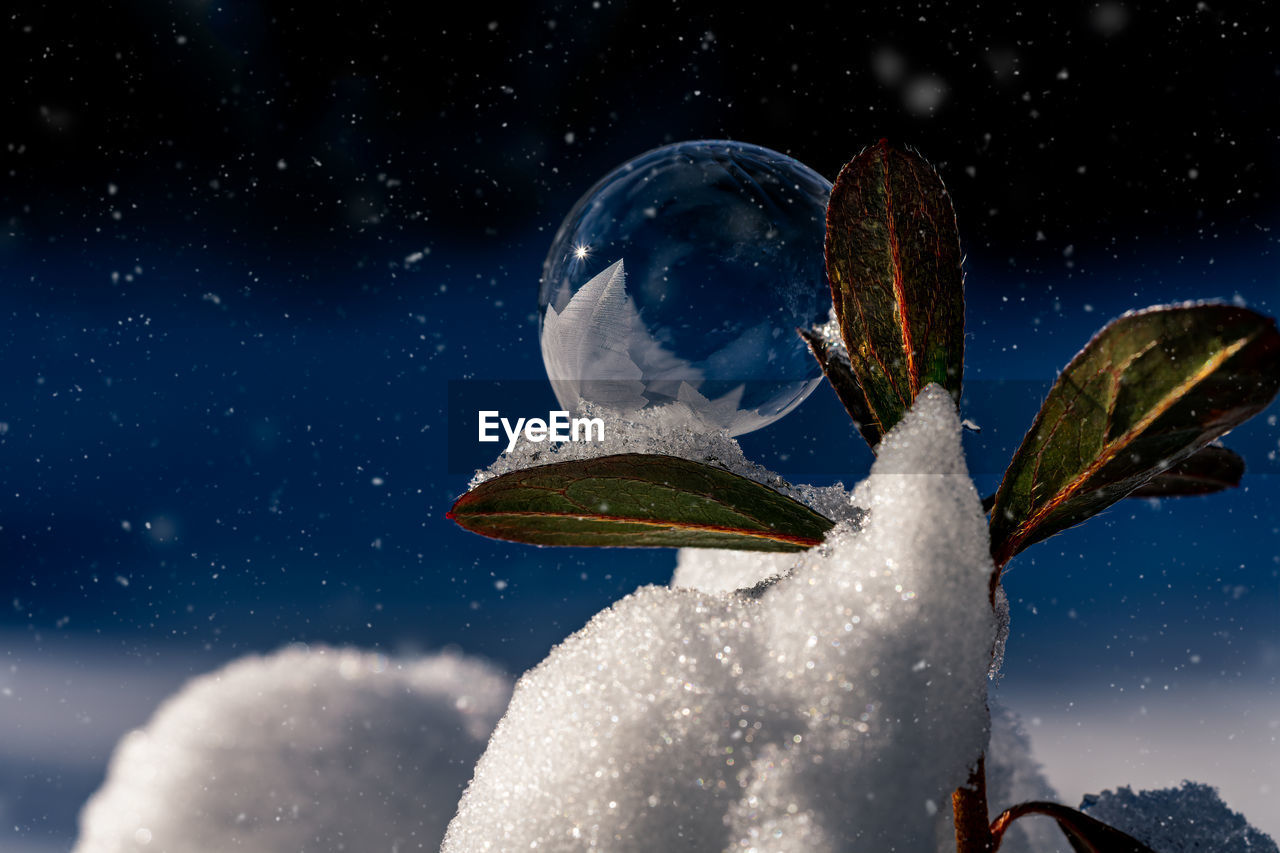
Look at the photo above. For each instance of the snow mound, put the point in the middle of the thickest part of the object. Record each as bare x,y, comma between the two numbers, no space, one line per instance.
1189,819
716,570
835,709
320,749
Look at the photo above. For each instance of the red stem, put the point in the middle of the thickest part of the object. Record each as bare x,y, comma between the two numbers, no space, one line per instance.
969,806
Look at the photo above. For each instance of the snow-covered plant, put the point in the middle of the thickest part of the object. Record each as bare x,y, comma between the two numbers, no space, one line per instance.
824,708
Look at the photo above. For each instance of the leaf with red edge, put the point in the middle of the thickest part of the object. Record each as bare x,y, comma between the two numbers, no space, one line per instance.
893,261
834,362
1150,390
638,500
1208,470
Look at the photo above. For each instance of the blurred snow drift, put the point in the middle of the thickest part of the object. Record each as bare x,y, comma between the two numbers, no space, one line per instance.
1179,820
304,749
834,709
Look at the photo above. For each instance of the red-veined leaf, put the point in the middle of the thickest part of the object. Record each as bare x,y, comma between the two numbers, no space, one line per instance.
893,261
1150,390
834,362
1208,470
638,500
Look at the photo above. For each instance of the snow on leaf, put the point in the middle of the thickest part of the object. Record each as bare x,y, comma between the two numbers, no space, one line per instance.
654,431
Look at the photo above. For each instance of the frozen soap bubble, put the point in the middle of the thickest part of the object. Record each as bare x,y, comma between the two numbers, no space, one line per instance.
679,280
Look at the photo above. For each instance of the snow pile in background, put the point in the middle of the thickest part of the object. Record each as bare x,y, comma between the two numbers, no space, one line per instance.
321,749
662,431
836,709
1189,819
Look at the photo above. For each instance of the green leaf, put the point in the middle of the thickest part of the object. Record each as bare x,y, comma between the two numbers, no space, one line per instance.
1148,391
1208,470
893,260
638,500
835,366
1085,834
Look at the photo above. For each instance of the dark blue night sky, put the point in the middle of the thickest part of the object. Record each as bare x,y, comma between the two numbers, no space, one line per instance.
224,409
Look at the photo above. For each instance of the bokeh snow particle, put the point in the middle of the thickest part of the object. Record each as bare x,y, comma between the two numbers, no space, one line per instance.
924,94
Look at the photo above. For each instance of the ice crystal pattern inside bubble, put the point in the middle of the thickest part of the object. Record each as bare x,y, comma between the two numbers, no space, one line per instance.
679,281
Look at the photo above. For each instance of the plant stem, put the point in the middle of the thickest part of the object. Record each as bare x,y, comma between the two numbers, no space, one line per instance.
969,805
1085,833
